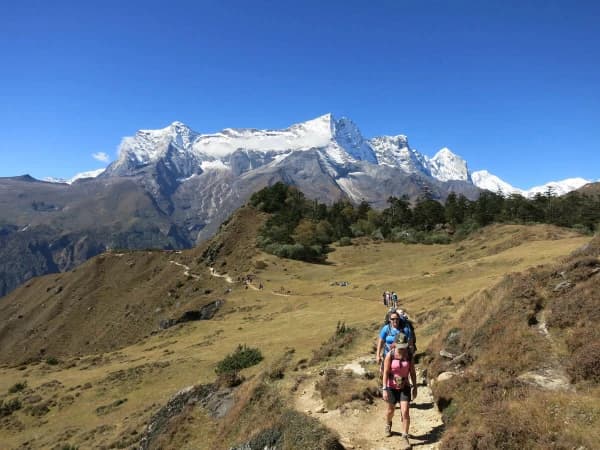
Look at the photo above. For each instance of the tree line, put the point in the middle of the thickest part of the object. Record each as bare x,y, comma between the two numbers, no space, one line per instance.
300,228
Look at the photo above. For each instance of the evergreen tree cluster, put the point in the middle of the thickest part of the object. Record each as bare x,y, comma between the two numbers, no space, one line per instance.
300,228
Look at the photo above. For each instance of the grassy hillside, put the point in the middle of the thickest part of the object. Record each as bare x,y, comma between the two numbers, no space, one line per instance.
110,371
522,360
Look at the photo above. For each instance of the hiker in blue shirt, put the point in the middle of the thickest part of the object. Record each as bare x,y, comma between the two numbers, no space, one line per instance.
396,324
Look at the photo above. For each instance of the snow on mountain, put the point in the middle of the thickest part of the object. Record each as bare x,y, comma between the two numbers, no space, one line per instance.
485,180
338,142
302,136
149,145
394,151
446,166
88,174
557,187
348,136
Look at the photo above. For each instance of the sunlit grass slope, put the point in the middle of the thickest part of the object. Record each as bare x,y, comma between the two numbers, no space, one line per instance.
298,308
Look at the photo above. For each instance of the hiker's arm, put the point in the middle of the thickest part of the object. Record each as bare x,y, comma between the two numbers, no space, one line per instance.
387,364
379,345
413,379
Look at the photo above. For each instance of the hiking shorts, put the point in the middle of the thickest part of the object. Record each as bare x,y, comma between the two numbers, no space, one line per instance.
399,395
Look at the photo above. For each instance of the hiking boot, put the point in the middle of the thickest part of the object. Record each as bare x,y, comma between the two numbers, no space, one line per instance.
406,441
388,429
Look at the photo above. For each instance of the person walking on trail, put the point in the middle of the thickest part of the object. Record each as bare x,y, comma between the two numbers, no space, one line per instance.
387,335
398,367
406,324
394,300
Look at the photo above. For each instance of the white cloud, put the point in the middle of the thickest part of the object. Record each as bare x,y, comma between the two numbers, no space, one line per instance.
101,156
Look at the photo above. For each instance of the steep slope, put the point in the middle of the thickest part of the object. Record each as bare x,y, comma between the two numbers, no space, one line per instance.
521,360
117,298
48,227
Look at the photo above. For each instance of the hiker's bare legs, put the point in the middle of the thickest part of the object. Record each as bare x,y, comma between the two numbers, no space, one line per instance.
390,412
405,411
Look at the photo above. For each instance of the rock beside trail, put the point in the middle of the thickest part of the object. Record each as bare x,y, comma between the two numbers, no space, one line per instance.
205,313
445,376
216,401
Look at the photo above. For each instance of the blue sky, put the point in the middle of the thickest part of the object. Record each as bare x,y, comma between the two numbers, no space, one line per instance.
511,86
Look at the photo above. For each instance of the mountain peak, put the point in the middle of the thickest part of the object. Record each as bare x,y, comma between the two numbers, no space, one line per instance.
446,166
445,152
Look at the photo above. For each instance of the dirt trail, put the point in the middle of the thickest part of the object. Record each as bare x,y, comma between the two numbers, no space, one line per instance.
186,270
553,375
364,428
215,274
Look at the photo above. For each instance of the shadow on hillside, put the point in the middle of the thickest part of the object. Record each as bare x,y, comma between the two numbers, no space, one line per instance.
429,438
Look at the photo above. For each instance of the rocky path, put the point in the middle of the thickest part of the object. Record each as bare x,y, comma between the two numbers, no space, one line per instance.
364,428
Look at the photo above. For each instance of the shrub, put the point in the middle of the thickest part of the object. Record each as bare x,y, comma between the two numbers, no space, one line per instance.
342,338
585,362
6,409
345,241
17,387
52,361
241,358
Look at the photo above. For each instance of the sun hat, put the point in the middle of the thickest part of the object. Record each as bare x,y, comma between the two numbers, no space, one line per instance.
400,341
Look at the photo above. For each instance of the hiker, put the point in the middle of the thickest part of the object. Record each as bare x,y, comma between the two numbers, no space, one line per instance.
394,300
398,366
406,323
387,334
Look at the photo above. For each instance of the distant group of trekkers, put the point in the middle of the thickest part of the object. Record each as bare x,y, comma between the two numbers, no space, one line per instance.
396,348
390,299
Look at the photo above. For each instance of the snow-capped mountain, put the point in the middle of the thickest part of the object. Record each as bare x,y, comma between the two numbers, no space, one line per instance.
394,151
340,140
339,143
485,180
446,166
79,176
183,153
327,158
173,187
342,151
557,187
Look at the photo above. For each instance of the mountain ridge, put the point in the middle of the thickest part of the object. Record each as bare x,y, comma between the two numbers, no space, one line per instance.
207,148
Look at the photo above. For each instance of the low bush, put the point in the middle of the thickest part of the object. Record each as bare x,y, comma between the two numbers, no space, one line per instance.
345,241
52,361
585,362
342,338
241,358
7,408
17,387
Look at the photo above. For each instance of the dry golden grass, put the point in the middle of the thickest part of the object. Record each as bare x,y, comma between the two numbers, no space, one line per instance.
298,308
503,336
